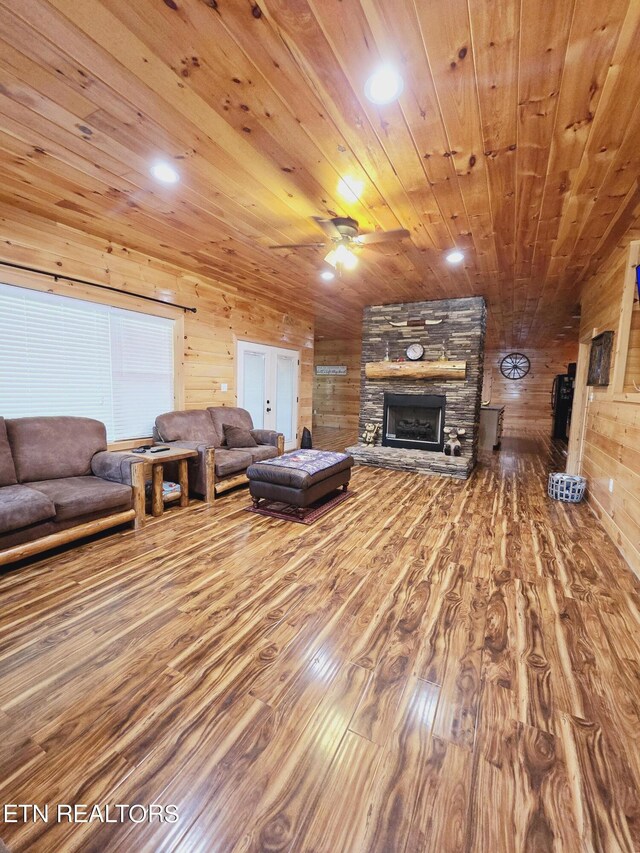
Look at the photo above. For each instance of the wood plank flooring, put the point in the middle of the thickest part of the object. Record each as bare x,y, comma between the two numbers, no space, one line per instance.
434,666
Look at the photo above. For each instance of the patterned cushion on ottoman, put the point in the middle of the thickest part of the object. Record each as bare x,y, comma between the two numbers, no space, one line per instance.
300,469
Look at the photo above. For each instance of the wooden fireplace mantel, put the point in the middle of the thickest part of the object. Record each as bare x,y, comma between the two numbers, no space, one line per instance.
416,369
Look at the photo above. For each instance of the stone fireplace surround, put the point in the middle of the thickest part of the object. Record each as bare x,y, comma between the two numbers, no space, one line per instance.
462,334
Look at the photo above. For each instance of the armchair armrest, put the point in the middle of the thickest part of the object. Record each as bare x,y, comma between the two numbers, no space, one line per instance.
115,466
269,436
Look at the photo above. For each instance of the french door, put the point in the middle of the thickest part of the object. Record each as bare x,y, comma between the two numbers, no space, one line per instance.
267,383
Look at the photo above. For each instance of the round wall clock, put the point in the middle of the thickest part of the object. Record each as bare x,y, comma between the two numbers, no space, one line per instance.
414,352
516,365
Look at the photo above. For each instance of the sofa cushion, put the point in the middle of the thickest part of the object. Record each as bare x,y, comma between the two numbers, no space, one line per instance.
75,496
21,506
49,448
231,415
235,436
231,462
7,468
190,425
261,452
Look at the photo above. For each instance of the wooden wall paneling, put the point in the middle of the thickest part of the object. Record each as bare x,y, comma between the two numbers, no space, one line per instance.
611,459
527,401
209,335
628,299
578,426
336,399
632,372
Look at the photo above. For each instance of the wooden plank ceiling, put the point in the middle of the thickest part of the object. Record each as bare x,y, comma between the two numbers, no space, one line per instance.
515,140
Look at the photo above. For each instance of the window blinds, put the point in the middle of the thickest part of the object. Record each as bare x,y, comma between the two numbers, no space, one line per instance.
64,356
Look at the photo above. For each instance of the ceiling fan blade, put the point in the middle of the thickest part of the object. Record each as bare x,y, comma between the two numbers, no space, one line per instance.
300,246
328,227
382,236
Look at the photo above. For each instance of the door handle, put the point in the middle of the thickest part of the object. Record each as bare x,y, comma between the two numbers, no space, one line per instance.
268,410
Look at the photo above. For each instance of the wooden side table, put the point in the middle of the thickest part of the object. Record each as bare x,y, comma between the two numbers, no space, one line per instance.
154,463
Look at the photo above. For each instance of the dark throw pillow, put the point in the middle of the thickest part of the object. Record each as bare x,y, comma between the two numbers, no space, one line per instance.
236,436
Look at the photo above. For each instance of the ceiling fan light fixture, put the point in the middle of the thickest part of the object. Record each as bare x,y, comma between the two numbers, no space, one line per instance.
342,257
346,258
384,85
327,275
455,257
350,188
164,172
350,262
331,258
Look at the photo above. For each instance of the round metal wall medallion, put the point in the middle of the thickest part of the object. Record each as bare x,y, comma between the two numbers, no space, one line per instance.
516,365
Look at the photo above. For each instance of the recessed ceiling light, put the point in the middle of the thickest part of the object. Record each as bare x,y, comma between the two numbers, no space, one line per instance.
455,257
350,188
162,171
384,85
327,275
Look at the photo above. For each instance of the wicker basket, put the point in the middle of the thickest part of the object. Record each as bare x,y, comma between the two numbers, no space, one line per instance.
566,487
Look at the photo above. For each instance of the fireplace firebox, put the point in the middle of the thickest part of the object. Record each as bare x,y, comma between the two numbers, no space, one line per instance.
414,421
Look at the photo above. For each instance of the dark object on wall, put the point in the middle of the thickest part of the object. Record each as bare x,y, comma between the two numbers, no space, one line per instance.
561,404
572,369
306,443
600,359
516,365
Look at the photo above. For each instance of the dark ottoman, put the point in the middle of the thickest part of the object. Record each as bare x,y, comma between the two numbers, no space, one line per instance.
299,478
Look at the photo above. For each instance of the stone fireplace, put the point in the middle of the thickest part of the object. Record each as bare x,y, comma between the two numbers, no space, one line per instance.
413,402
413,421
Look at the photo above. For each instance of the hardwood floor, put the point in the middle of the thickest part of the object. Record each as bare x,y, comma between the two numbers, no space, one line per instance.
434,666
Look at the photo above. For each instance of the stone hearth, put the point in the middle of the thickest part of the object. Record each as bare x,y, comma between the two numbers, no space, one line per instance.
418,461
461,334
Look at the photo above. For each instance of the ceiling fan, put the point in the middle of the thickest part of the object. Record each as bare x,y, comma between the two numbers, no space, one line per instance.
342,232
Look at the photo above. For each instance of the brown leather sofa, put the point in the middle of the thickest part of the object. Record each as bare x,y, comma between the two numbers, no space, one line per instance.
217,467
58,482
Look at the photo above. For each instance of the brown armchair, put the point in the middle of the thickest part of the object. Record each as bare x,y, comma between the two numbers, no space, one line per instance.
217,467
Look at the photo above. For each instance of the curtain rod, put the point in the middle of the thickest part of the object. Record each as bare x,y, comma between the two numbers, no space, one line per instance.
56,276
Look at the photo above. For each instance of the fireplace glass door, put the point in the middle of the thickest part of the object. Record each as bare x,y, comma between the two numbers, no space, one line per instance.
414,421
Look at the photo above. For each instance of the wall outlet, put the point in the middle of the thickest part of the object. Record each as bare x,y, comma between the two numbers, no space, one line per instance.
224,386
611,485
591,396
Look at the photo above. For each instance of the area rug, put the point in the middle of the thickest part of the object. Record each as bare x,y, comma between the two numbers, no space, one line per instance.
277,509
